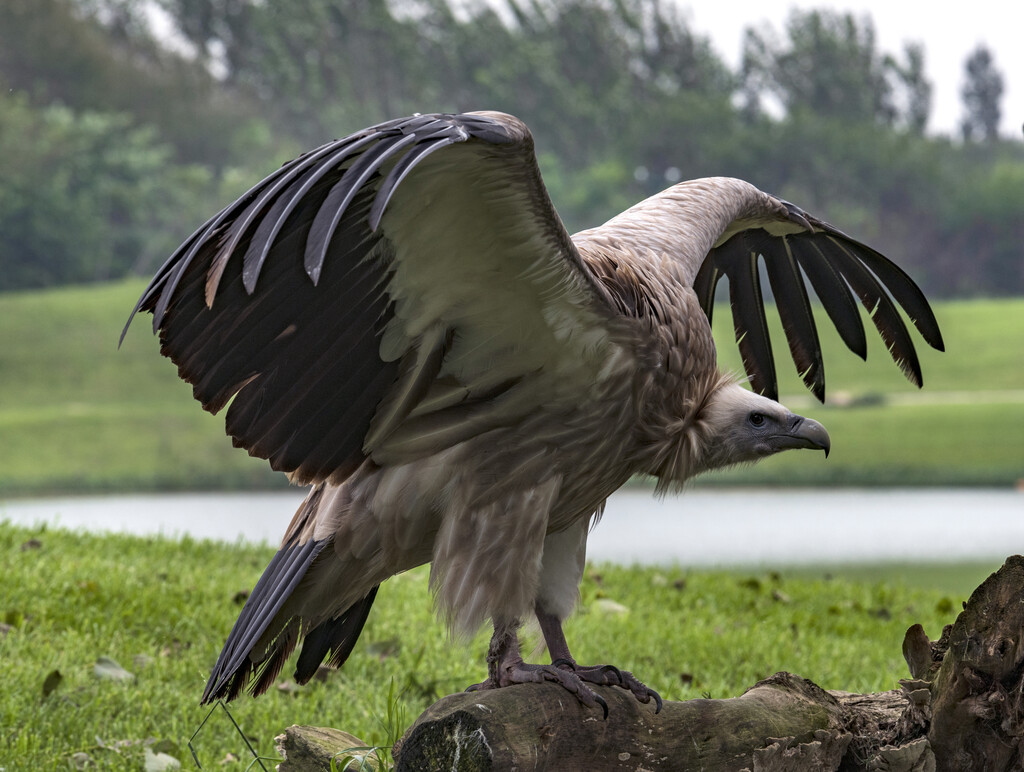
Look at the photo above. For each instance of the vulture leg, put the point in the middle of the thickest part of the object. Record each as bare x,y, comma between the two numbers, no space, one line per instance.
505,667
564,559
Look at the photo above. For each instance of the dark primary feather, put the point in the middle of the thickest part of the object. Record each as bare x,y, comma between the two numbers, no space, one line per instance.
252,206
285,356
272,220
832,290
797,320
334,206
839,269
750,323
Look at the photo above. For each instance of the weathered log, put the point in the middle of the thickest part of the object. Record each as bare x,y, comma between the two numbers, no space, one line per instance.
782,723
539,725
962,710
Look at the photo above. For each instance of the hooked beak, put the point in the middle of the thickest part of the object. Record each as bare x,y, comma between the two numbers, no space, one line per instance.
803,433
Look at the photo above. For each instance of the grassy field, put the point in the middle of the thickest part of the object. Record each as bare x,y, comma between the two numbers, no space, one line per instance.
77,414
161,609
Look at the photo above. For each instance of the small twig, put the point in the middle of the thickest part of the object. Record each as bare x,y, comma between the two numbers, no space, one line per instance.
256,758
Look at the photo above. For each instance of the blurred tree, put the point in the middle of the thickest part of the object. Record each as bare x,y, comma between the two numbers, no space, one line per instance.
88,196
916,87
829,63
324,67
129,141
318,67
109,62
982,93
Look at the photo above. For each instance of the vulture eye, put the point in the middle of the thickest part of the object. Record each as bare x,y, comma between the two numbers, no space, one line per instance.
756,419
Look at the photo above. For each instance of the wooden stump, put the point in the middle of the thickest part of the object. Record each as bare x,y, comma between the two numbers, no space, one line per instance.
962,710
978,689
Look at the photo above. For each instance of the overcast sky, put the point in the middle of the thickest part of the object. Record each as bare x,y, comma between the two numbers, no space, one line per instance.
949,32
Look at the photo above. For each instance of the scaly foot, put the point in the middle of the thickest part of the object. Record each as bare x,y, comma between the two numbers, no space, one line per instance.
515,671
609,675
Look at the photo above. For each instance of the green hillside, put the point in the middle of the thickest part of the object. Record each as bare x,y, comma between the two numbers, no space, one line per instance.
77,414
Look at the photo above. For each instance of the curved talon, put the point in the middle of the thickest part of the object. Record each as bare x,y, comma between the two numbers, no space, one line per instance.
569,664
613,669
657,700
602,703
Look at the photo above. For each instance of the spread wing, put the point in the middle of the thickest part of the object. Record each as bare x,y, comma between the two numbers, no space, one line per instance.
381,296
793,246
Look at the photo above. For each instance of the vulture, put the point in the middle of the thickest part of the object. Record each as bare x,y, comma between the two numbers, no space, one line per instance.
399,320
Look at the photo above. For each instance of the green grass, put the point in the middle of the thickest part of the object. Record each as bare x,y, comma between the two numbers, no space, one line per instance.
77,414
162,608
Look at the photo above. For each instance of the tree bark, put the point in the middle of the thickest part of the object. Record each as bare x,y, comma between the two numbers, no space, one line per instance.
962,710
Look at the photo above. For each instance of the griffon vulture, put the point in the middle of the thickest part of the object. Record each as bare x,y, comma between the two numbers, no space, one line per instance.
399,320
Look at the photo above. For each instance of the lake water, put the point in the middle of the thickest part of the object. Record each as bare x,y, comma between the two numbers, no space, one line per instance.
700,527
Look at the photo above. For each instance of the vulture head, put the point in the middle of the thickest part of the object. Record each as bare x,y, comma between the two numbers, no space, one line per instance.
731,426
746,427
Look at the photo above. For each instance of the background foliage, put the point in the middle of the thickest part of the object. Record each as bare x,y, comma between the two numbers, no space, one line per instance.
117,142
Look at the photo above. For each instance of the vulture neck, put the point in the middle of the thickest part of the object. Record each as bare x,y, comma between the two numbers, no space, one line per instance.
679,441
676,228
647,258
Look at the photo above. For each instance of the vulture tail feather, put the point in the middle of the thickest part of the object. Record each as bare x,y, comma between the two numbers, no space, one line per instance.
268,671
335,636
279,580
